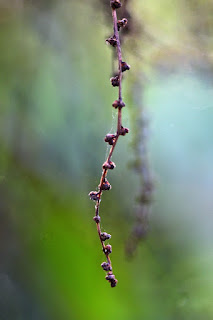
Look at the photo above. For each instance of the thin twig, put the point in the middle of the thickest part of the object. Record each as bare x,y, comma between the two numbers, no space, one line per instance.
112,140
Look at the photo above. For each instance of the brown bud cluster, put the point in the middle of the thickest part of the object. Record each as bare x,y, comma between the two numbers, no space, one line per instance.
123,131
97,219
109,165
108,249
113,283
112,41
122,23
110,138
105,236
124,66
106,266
111,278
94,195
115,81
115,4
105,185
118,104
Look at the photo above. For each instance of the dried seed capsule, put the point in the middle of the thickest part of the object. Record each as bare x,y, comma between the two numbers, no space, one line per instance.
118,104
122,23
97,219
105,185
110,276
123,131
108,249
113,283
110,138
112,41
124,66
105,236
109,165
115,81
106,266
94,195
115,4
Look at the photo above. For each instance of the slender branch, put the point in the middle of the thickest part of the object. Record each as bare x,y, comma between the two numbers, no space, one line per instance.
115,22
111,139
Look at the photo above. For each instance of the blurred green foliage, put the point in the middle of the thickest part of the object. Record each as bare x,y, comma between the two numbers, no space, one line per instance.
55,110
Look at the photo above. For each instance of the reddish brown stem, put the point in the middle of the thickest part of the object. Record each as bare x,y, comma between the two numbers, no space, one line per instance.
119,132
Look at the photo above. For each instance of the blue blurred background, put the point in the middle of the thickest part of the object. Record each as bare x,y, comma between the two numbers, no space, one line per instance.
55,109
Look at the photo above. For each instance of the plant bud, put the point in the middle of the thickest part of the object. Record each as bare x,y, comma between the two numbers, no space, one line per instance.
97,219
115,4
105,185
110,276
123,131
113,283
112,41
115,81
108,249
94,195
122,23
105,236
118,104
109,165
110,138
106,266
124,66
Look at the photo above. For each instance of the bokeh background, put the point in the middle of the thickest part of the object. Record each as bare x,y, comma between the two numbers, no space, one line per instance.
55,109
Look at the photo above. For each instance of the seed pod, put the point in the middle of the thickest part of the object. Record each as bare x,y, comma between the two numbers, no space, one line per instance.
110,138
105,185
97,219
109,165
112,41
105,236
106,266
115,4
94,195
124,66
118,104
115,81
122,23
108,249
123,131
